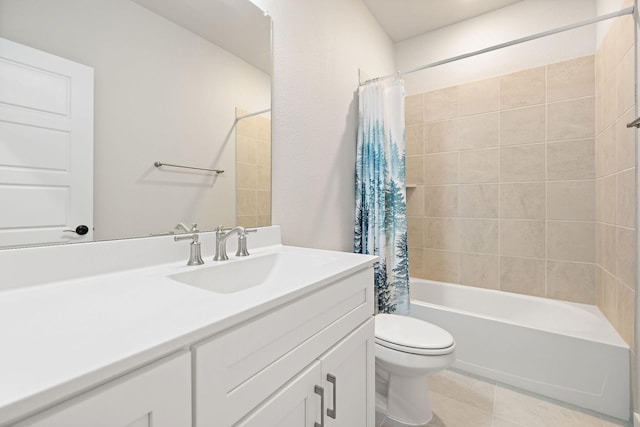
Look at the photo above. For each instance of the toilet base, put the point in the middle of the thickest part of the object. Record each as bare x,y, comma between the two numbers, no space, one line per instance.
403,399
390,422
405,356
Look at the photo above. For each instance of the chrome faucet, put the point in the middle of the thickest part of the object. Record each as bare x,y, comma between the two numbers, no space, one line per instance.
222,234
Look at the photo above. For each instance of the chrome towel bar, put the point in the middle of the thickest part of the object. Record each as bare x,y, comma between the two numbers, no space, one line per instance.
159,164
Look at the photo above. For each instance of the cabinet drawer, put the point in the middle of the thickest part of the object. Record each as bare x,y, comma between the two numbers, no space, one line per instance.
237,370
158,395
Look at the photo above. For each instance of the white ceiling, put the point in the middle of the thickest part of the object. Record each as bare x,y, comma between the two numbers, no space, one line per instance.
404,19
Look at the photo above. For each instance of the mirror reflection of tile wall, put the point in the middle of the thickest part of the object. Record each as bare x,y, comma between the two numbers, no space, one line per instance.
253,180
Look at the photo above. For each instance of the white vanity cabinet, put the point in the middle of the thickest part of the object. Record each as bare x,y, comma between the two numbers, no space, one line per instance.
157,395
273,370
296,349
342,400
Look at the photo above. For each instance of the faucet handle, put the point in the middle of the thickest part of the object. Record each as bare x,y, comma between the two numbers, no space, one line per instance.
195,237
221,229
242,241
182,226
195,253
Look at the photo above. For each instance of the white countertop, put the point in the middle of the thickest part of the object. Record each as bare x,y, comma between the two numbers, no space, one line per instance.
59,339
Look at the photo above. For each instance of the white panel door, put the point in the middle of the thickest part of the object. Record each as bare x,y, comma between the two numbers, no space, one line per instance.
46,147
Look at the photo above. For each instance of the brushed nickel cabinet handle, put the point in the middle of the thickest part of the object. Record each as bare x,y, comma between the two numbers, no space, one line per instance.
331,413
319,390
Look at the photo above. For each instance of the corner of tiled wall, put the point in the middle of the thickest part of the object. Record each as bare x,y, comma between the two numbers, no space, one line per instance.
615,177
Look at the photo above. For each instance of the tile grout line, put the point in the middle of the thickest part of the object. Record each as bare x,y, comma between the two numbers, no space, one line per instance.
499,213
495,399
546,184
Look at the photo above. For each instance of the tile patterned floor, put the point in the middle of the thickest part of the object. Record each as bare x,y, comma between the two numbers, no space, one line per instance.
461,400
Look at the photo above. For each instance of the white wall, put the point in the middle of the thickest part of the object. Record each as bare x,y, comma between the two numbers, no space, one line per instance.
161,93
318,48
518,20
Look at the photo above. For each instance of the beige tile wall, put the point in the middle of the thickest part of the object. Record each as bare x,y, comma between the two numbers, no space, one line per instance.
526,182
502,182
615,177
253,177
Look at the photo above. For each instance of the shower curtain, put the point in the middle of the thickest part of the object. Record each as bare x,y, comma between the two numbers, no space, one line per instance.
381,209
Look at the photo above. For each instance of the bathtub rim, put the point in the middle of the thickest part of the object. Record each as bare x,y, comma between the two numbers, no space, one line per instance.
612,336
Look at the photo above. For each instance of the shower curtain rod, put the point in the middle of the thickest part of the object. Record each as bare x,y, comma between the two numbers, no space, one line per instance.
246,116
627,11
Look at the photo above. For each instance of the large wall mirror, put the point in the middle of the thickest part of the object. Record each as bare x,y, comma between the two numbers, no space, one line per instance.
180,82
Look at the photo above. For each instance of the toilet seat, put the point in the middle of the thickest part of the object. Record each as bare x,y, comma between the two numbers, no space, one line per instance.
410,335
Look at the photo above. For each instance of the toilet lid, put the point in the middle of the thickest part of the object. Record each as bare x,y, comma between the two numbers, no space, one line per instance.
411,335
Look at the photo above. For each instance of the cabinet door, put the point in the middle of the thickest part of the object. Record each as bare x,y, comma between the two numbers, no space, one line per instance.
297,404
348,377
158,395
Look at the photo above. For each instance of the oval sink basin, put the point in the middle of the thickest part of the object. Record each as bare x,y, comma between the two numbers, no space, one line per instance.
239,274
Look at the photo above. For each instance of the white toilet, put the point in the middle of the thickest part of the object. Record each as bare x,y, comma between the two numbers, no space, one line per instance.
408,350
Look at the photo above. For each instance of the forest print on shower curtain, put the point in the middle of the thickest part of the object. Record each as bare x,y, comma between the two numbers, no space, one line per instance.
381,208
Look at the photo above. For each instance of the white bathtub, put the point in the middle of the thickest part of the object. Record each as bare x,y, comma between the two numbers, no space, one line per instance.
562,350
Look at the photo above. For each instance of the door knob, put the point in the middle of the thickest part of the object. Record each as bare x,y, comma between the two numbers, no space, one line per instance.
80,230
